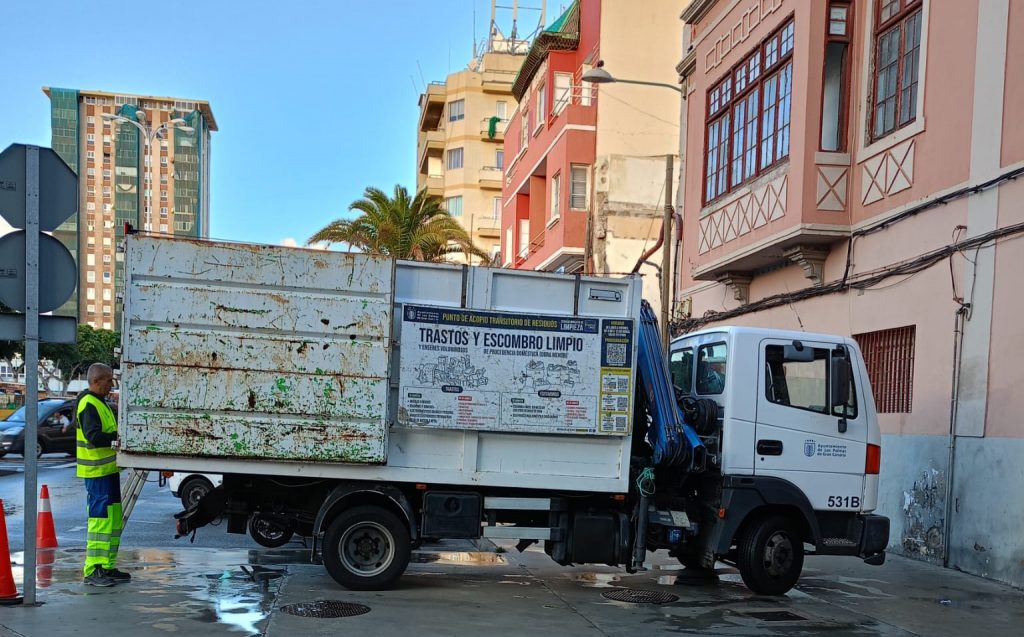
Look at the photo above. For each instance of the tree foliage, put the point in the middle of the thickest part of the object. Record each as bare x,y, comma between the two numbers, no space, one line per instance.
72,359
400,226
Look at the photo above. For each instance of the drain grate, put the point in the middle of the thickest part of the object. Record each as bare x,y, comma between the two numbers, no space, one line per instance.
637,596
776,616
325,609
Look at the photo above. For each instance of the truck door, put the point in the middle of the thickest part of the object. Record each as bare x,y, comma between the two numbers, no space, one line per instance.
800,437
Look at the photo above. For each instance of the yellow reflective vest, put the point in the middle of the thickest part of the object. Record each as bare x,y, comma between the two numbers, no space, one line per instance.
95,462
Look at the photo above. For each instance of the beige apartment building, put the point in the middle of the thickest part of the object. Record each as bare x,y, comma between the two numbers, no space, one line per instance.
141,160
459,150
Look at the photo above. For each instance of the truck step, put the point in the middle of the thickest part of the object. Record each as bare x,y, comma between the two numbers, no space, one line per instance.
524,504
837,542
522,533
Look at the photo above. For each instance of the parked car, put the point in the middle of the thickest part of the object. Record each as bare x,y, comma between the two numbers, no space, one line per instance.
190,487
268,529
55,434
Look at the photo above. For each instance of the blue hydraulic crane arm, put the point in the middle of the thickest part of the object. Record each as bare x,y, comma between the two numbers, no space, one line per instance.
674,443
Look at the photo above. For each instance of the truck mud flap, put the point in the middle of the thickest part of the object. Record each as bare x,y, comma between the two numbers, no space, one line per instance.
205,511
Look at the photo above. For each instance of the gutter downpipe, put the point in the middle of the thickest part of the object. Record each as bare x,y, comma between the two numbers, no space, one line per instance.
958,333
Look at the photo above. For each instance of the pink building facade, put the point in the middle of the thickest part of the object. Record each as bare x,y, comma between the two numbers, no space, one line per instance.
849,167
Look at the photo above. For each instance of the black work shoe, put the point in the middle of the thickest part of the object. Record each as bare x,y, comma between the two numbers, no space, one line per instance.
99,578
118,576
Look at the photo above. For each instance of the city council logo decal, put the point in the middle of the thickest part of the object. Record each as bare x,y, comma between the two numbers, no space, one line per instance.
809,448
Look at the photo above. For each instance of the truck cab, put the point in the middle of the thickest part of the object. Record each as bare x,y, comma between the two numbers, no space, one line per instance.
798,444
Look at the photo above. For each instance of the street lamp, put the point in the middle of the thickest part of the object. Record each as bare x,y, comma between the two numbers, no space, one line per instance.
598,75
150,133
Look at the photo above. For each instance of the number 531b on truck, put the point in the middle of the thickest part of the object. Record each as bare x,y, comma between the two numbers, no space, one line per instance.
381,402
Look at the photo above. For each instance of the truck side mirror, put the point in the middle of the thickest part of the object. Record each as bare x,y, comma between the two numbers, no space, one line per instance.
840,388
840,381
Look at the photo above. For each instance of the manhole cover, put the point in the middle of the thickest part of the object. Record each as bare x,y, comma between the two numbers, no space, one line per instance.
325,609
635,596
776,616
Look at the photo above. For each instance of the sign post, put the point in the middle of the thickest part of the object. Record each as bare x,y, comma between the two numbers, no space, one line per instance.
22,204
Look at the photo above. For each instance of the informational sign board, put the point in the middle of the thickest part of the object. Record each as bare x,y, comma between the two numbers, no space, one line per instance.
494,371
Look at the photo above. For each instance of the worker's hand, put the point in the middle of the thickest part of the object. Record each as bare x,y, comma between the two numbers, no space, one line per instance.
115,444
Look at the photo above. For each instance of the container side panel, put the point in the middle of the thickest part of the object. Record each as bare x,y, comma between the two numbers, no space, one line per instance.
253,436
204,390
251,351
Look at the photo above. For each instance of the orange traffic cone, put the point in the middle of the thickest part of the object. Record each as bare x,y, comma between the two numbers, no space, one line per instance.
46,535
8,592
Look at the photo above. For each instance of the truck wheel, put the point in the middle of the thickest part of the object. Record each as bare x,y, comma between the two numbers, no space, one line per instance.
270,533
771,555
192,490
367,548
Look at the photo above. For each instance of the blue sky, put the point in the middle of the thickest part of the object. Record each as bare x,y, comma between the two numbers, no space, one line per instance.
315,100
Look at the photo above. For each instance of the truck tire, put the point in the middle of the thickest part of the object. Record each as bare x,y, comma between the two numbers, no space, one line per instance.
367,548
192,490
270,532
771,555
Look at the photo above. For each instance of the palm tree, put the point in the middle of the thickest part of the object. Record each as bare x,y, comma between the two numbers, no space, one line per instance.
406,228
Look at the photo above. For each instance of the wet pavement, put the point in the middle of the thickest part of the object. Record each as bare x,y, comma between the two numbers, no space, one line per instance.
459,590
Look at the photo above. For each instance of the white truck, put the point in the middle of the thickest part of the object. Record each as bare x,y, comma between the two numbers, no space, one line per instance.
376,403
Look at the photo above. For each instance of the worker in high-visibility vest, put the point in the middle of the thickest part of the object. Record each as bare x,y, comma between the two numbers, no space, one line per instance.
97,429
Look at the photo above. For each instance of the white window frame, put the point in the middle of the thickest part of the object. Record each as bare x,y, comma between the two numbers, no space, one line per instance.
524,130
455,211
461,111
555,211
496,213
541,98
562,96
574,171
453,154
586,90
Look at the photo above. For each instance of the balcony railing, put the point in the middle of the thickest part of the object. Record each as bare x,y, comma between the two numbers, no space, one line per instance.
490,177
493,130
433,144
434,185
498,81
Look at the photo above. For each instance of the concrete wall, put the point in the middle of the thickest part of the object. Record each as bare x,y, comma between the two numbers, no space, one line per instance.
630,195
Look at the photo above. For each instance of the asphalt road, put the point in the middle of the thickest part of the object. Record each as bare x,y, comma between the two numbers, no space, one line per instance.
151,524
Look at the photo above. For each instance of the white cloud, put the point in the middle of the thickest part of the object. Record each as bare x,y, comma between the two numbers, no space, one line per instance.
290,242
